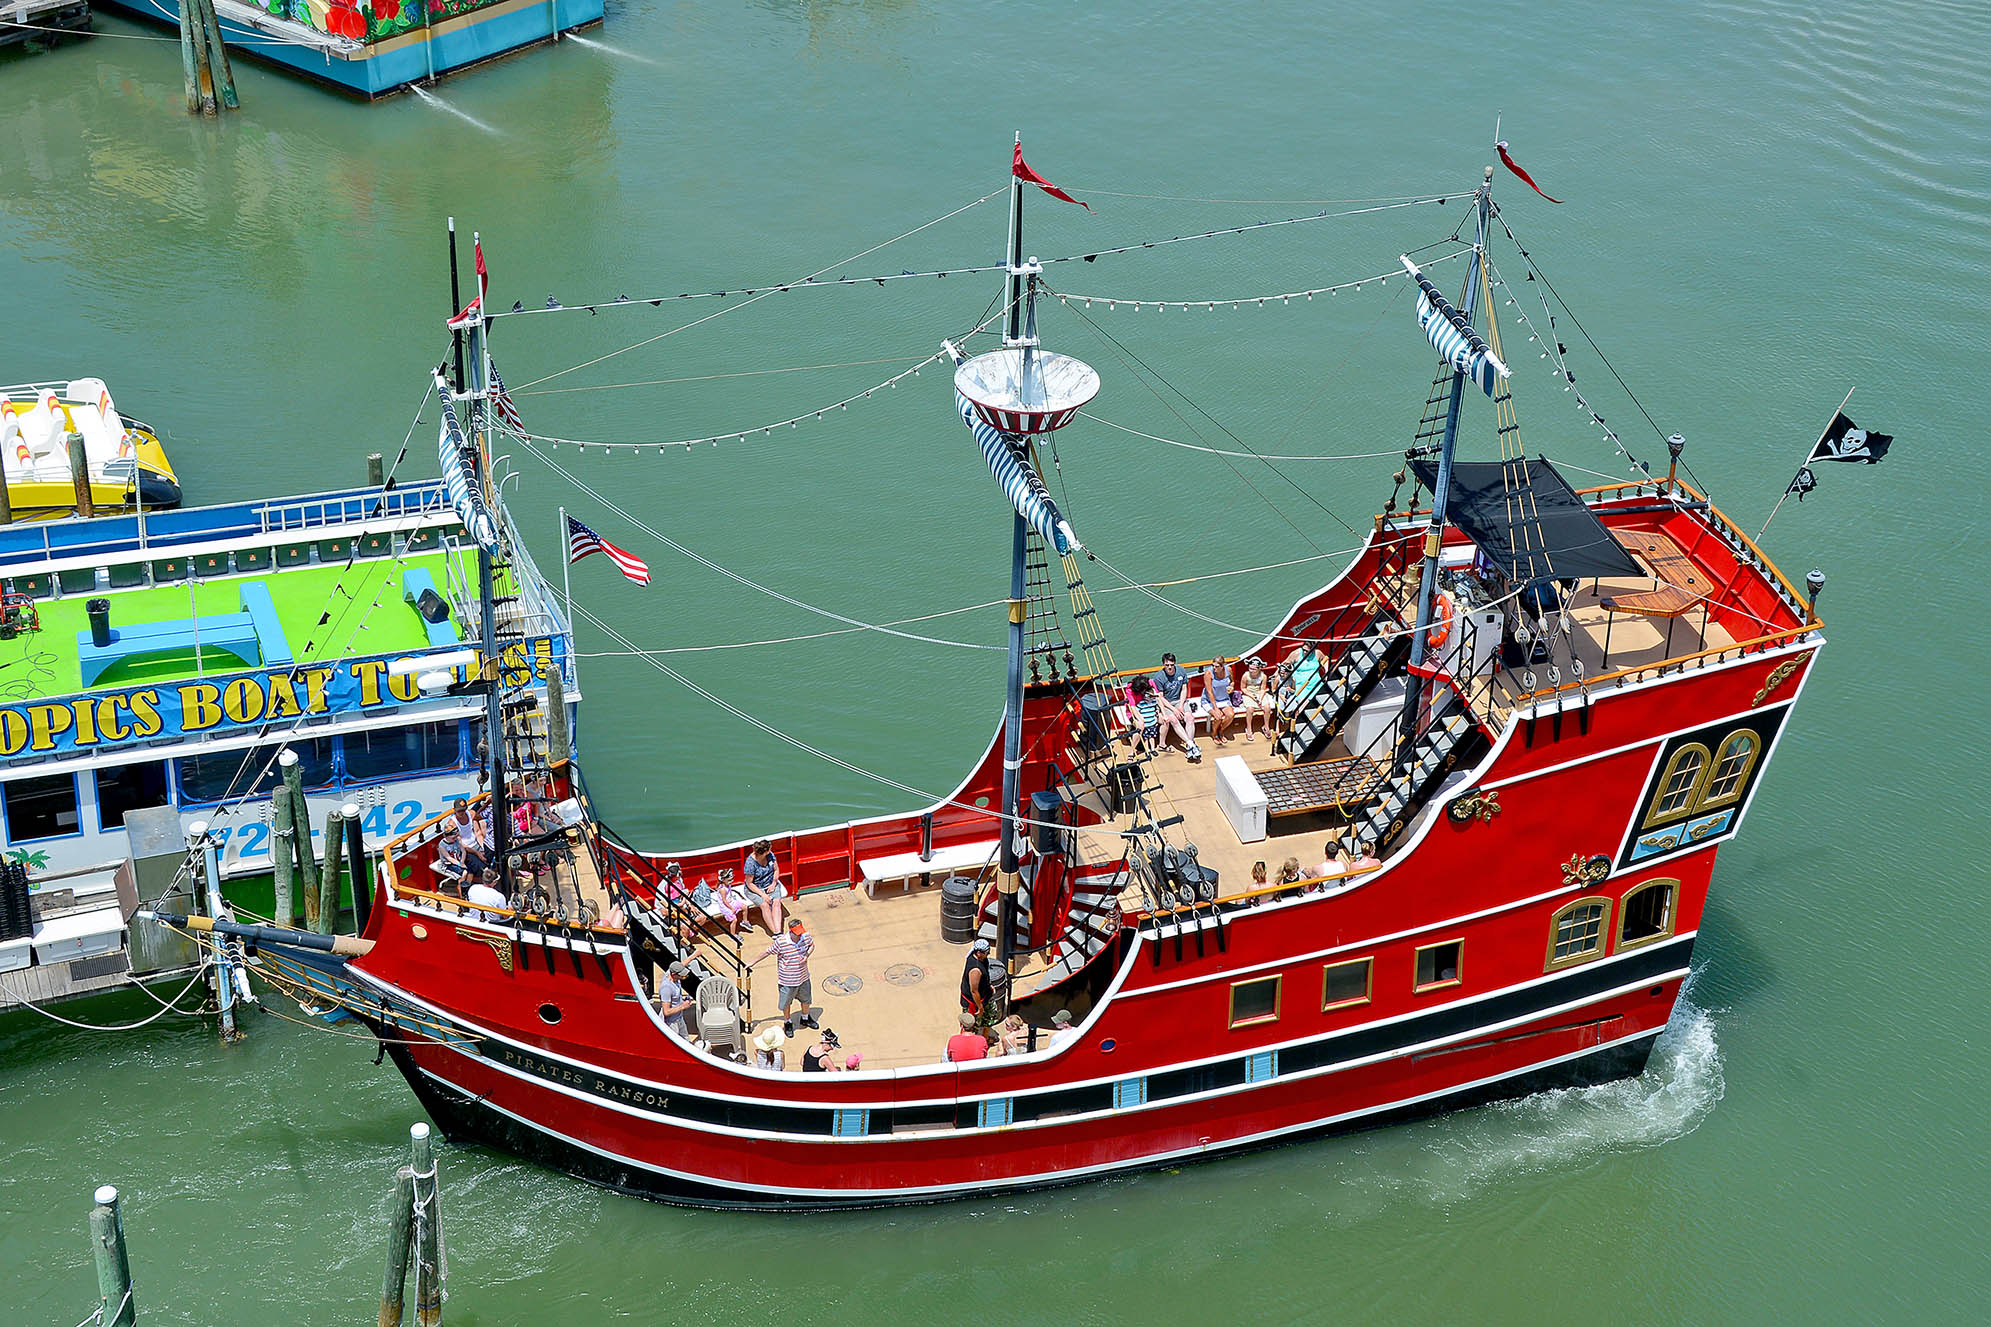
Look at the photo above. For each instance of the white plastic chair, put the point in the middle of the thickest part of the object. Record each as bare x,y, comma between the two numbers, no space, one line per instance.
719,1014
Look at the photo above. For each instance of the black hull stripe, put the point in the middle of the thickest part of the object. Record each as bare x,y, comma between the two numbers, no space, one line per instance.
1652,963
468,1119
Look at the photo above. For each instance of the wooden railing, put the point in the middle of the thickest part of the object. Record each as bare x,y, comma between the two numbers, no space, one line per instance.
1289,887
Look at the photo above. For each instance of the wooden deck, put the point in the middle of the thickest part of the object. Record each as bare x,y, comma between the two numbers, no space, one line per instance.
885,981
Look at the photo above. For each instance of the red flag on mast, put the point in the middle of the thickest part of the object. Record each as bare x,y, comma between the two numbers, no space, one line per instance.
1526,178
1021,169
463,319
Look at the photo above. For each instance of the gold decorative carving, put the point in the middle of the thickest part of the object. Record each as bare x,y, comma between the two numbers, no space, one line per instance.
1475,805
500,945
1778,676
1581,870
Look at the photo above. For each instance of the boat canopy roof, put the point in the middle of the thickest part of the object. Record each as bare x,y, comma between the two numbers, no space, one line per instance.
1528,521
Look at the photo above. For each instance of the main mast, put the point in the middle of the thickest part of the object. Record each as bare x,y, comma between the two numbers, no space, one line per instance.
1014,338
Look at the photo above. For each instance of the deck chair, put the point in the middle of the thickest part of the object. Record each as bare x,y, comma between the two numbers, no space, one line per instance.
719,1014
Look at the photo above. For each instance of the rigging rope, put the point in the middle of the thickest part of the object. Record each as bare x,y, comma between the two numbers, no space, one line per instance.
814,282
710,565
1250,455
1113,302
753,298
169,1007
796,742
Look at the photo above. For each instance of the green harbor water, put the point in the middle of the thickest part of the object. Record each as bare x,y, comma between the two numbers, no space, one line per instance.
1765,205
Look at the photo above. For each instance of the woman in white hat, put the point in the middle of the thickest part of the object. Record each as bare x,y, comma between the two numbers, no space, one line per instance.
767,1048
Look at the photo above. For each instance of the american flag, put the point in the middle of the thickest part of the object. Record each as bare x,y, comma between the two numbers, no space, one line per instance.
501,401
582,541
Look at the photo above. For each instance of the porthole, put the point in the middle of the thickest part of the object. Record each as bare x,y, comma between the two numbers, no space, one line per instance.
549,1013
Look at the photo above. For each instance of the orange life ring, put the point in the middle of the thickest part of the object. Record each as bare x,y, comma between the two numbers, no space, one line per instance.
1440,630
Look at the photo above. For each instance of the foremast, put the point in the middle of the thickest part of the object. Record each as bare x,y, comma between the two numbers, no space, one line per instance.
1434,534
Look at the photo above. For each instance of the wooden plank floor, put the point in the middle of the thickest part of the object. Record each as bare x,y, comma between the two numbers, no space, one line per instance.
885,981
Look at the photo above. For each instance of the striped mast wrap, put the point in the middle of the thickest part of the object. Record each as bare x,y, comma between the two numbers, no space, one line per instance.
1452,336
1009,464
466,495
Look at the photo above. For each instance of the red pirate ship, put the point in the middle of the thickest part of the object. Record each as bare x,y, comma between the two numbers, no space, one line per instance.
1504,747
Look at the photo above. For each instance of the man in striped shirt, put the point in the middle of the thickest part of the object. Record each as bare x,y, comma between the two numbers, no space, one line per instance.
791,972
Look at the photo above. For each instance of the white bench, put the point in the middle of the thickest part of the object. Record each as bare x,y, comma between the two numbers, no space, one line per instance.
1240,798
945,861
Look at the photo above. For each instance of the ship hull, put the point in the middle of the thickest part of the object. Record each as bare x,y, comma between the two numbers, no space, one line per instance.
466,1117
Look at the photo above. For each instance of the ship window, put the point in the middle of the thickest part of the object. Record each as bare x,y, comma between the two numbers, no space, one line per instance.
129,788
1577,932
1647,914
1254,1001
1731,769
1680,783
1345,984
1439,965
386,753
41,808
219,775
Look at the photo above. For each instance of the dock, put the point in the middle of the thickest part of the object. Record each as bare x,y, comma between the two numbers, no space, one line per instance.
31,20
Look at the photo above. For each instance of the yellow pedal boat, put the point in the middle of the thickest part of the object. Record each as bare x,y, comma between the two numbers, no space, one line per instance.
127,465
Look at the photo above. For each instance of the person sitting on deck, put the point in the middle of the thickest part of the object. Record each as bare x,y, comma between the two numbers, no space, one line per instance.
1012,1037
1062,1031
975,1002
1171,685
1257,876
1255,698
968,1043
486,895
821,1057
449,867
1335,862
1365,859
767,1048
1223,698
763,883
1143,715
673,1000
791,968
1300,672
1291,872
477,847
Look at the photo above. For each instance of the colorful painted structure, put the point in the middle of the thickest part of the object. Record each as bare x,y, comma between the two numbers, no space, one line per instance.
165,664
374,47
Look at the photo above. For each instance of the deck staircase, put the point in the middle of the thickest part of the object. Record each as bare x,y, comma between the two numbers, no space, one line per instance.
1326,708
1091,920
1406,788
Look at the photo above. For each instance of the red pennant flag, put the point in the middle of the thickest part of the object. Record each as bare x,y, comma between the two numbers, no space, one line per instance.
1021,169
483,278
1526,178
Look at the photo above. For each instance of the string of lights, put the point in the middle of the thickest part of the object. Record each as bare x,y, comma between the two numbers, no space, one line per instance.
1113,302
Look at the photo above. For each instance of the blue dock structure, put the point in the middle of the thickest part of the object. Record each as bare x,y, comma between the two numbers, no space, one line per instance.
376,47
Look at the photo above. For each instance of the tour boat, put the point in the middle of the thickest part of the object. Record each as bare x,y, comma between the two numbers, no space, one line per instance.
1530,712
122,456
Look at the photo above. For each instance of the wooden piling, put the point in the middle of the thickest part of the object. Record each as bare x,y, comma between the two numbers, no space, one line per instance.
400,1228
113,1261
224,74
557,741
79,476
328,886
187,61
6,505
427,1207
376,470
300,821
362,879
282,840
202,101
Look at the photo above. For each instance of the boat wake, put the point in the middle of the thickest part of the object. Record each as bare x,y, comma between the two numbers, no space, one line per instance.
612,50
1566,1128
441,105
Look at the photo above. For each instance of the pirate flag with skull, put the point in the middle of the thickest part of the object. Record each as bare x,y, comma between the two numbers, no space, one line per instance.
1846,441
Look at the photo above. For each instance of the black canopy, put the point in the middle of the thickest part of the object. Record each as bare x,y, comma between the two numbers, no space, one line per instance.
1528,521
